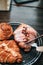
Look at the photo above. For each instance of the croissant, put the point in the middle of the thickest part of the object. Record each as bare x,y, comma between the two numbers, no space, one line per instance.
5,31
9,52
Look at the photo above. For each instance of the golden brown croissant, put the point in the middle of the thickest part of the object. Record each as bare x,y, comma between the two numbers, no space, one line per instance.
23,34
5,31
9,52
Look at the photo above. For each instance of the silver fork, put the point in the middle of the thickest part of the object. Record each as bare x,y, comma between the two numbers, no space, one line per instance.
38,48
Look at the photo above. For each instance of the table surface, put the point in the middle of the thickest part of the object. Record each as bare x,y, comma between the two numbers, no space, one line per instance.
31,14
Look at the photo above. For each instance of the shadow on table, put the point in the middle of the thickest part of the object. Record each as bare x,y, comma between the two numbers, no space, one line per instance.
41,3
40,14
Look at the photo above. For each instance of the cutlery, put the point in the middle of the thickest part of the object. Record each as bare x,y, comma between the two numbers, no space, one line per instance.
38,48
40,36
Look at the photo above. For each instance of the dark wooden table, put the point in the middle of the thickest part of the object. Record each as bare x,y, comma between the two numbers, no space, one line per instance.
31,14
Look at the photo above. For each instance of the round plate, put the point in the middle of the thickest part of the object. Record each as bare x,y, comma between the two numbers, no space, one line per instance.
30,57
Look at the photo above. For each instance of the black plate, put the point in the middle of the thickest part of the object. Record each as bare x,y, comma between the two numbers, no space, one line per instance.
30,57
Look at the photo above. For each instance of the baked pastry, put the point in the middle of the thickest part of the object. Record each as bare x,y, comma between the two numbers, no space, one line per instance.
23,34
5,31
9,52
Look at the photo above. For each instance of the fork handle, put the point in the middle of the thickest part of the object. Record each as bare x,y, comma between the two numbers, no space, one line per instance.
40,48
35,38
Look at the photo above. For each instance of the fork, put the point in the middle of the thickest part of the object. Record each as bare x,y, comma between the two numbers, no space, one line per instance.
38,48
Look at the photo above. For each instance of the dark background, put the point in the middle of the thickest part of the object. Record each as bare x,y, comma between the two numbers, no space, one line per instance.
31,13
